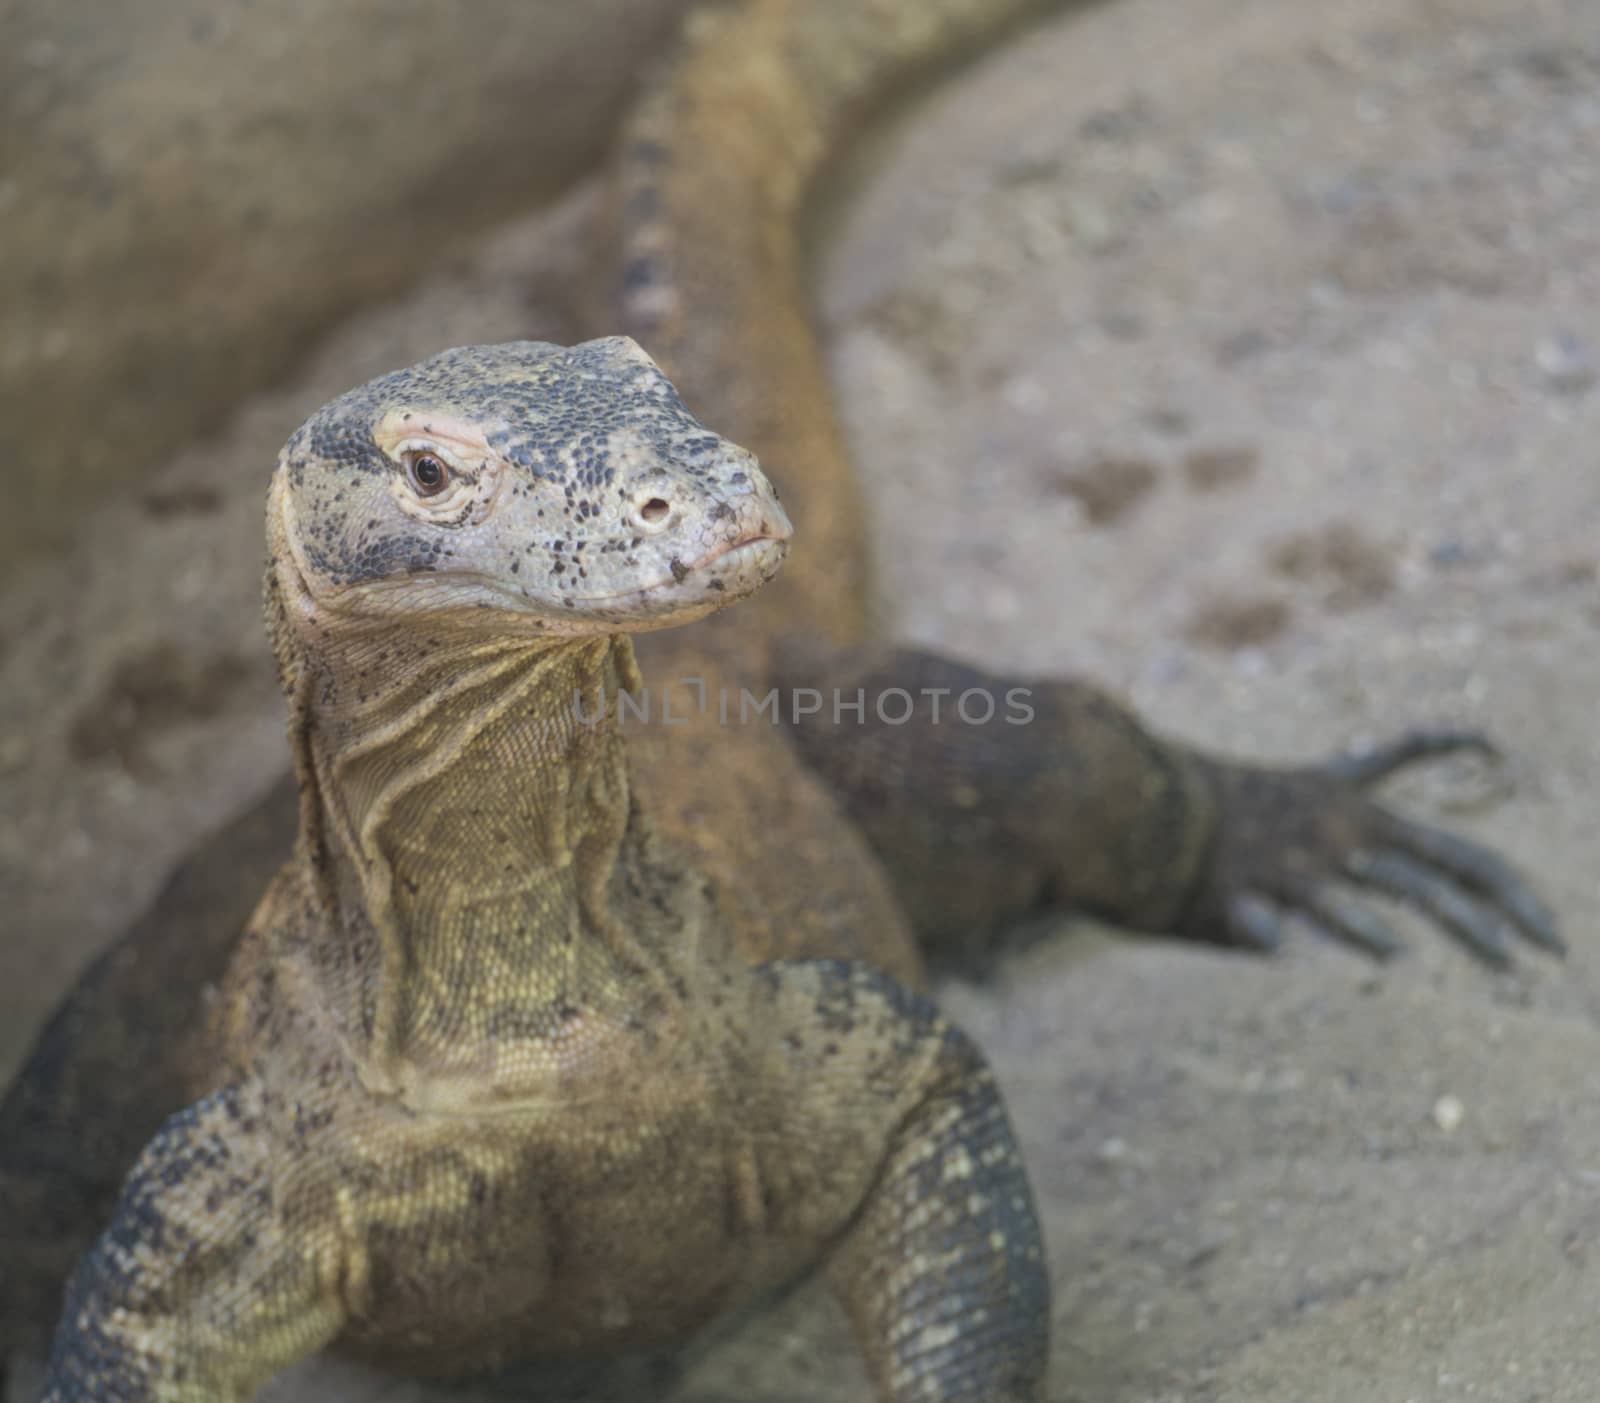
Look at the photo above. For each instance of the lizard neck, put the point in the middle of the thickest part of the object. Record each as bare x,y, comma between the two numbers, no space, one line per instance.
466,823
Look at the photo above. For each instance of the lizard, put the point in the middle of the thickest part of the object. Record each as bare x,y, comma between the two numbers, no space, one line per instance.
787,864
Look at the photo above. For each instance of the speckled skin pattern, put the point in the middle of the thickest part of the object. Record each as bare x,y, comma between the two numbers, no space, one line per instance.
560,1033
497,1077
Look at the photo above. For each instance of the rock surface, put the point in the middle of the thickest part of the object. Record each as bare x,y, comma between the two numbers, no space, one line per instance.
191,191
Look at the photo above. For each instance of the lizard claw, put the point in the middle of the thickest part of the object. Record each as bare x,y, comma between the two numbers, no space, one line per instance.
1423,861
1371,764
1292,843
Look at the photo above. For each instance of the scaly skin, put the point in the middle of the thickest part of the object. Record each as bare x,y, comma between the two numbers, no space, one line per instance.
555,1037
496,1076
711,180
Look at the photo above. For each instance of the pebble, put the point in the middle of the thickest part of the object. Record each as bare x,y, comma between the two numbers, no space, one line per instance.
1448,1113
1114,1151
1567,363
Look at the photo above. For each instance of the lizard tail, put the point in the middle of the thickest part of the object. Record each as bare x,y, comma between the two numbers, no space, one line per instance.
714,171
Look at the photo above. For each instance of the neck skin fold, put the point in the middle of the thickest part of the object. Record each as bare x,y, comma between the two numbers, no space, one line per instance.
465,804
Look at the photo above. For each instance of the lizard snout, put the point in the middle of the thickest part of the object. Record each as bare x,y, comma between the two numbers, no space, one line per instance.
745,508
725,501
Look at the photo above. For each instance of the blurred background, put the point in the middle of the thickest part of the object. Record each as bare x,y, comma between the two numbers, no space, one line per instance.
1240,355
195,192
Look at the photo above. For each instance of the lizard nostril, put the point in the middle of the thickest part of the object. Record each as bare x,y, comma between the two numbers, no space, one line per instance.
654,511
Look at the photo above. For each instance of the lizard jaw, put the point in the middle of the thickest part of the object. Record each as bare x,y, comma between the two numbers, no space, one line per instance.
741,546
722,575
738,568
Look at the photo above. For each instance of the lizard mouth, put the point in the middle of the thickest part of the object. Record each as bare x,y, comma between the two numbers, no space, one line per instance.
754,549
727,571
733,564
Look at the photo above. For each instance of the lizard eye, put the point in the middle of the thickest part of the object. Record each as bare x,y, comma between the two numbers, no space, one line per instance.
427,475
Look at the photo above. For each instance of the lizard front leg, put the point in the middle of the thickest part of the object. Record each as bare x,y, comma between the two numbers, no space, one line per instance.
210,1277
941,1265
990,797
123,1052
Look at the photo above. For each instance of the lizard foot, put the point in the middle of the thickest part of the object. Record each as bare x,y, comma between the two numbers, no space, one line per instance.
1309,844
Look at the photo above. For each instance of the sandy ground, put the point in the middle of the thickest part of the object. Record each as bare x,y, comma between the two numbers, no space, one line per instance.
1241,355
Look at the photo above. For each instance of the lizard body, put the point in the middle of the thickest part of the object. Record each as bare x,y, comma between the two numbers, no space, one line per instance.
542,1097
557,1035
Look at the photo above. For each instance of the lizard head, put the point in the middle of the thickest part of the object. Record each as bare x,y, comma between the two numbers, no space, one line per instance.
567,489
